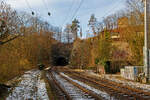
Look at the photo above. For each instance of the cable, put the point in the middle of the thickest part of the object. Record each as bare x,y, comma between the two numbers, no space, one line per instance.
28,5
44,2
68,15
45,5
108,11
81,2
112,8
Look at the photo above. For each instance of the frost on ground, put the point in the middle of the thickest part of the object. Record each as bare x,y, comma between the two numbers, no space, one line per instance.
74,92
42,92
31,87
132,84
101,93
124,82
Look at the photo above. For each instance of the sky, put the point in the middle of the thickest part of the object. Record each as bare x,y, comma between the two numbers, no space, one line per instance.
62,11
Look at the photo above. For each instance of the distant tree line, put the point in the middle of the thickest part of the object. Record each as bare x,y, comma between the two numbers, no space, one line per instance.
29,42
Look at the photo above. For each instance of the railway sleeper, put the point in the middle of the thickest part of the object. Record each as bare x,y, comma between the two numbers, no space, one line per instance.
137,97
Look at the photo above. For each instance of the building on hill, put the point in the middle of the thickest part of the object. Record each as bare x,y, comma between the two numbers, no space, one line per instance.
120,36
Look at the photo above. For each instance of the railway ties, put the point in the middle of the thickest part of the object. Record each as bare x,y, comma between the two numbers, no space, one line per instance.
111,87
71,90
57,91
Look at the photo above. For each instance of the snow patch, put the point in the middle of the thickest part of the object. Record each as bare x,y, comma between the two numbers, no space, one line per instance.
42,92
30,87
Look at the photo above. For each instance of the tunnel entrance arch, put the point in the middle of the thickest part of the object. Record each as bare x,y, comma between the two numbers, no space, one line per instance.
61,61
61,54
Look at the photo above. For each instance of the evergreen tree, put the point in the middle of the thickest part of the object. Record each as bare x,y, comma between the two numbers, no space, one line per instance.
74,28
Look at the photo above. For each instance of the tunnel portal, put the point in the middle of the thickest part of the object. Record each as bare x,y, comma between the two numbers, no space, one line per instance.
61,53
60,61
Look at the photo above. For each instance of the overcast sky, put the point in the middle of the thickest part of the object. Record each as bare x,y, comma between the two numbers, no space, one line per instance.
63,10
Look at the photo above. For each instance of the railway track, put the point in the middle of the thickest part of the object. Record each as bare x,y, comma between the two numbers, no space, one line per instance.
58,92
113,88
72,90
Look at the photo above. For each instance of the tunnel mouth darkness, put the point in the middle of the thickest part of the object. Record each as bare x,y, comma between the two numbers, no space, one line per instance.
61,61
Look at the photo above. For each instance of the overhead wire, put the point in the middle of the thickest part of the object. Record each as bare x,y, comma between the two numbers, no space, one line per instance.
47,8
108,11
116,5
32,12
45,5
28,5
68,14
44,2
76,11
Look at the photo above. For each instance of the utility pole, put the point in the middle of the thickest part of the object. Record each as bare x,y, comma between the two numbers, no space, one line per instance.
146,40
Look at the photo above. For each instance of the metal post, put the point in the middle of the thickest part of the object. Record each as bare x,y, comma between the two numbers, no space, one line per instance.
146,8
